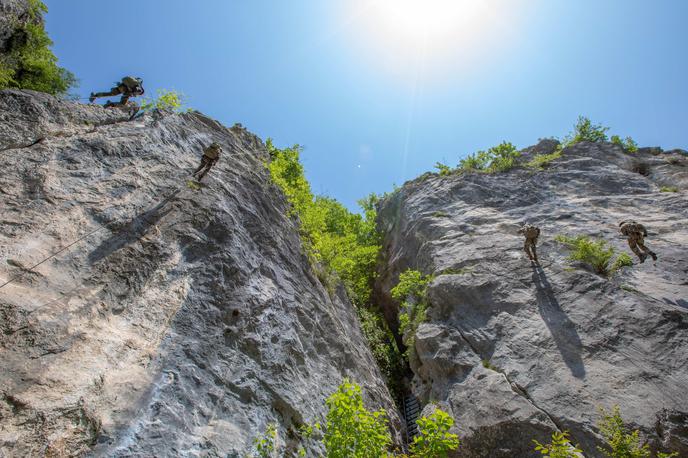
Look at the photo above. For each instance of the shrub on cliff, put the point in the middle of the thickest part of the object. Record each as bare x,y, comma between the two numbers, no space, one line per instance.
343,246
265,444
351,430
165,100
596,253
411,292
30,64
434,439
620,442
499,158
628,144
539,161
560,447
585,130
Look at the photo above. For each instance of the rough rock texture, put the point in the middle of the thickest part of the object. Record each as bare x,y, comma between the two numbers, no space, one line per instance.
159,320
561,340
12,14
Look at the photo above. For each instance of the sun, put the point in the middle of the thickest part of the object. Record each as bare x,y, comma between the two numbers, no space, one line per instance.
426,22
440,32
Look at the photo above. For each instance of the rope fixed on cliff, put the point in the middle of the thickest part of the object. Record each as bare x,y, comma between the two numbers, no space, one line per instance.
84,237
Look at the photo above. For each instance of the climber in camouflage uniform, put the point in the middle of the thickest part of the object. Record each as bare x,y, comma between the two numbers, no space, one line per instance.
531,233
210,156
128,87
636,234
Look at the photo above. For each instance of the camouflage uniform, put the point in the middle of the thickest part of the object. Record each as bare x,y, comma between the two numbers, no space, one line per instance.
636,234
128,87
531,233
210,156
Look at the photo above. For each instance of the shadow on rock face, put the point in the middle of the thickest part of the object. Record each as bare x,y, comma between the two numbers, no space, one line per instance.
131,231
560,326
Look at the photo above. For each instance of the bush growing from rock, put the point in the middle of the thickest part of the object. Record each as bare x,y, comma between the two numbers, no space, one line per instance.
166,100
620,442
411,292
443,169
434,439
560,447
585,130
265,444
668,189
628,144
596,253
622,260
499,158
539,161
352,431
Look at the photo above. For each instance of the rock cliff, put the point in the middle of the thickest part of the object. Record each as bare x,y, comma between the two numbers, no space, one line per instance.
142,317
515,352
13,13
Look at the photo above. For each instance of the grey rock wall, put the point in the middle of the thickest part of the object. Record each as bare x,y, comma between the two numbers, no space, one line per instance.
12,14
161,320
563,340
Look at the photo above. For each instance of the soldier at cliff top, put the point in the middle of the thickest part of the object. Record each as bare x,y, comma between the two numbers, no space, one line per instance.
128,87
210,156
531,233
636,234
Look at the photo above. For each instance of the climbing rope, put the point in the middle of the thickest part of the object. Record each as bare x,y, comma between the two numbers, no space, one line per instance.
84,237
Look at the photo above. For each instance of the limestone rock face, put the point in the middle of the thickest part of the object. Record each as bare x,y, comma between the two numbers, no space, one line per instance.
13,13
144,317
558,340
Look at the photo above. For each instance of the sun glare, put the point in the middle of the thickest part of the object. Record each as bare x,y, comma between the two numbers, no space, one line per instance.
441,32
427,20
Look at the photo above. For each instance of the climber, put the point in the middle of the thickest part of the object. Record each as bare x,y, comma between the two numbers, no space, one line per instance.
128,87
531,234
636,234
210,156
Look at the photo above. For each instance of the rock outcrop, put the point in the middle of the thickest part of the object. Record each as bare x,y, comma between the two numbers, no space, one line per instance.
13,14
142,317
514,351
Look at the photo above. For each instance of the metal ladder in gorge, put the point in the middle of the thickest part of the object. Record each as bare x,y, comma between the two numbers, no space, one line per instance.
411,412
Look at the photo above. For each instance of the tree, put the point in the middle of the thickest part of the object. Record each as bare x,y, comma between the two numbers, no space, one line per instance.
434,439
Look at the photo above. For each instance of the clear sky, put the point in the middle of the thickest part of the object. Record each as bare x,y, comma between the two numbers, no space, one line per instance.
377,91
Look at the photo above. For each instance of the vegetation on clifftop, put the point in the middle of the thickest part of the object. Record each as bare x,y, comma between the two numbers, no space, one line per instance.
30,63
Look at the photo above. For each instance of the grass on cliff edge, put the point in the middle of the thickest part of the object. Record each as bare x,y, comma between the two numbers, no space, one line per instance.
343,247
31,64
504,157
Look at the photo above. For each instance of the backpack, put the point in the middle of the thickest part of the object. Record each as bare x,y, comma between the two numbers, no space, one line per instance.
213,151
631,227
530,231
132,84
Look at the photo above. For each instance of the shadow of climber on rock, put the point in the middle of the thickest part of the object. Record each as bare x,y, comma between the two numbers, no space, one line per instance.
132,231
561,328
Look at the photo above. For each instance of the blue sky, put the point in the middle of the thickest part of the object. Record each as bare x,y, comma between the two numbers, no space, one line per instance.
376,99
